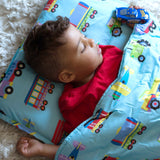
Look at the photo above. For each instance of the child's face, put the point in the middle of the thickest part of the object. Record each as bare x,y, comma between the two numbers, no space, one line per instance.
81,55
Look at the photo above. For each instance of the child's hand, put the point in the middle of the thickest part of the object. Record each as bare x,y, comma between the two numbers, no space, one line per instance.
131,24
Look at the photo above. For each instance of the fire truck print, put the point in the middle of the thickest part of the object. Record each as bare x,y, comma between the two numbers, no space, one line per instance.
6,81
151,96
37,93
126,133
96,123
51,6
78,146
80,15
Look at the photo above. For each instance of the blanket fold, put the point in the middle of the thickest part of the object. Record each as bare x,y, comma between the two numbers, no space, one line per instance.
125,123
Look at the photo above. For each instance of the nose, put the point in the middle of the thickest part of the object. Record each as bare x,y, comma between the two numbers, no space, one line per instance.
91,42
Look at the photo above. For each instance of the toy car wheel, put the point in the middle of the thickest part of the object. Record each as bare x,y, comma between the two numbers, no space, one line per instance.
119,19
142,21
116,31
101,125
124,21
9,90
141,58
155,104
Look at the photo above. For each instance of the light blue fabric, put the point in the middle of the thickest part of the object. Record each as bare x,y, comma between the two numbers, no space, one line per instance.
18,90
125,124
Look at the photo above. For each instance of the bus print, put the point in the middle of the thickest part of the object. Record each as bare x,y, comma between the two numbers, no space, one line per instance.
126,133
80,15
6,81
51,6
96,123
37,93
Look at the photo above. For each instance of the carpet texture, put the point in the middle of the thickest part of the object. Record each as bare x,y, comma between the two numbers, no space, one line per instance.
16,19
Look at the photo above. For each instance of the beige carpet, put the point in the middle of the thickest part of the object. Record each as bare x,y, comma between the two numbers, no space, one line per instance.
16,19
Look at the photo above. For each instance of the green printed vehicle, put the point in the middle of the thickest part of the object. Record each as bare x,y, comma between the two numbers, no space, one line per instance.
115,26
137,48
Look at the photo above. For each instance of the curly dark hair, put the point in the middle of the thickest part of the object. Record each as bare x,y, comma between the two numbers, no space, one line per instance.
41,47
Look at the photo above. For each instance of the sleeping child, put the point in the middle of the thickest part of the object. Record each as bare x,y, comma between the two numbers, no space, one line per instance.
59,52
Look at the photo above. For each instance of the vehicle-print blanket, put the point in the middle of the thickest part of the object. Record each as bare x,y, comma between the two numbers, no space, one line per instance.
126,122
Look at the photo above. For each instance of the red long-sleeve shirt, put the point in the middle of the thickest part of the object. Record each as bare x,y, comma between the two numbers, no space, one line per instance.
78,104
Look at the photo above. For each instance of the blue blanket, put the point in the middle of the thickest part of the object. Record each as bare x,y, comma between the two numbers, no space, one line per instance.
126,121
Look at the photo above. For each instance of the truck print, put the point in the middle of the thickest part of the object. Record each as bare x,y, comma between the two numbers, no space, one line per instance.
115,26
6,81
51,6
37,93
150,97
126,133
80,15
147,27
96,123
137,47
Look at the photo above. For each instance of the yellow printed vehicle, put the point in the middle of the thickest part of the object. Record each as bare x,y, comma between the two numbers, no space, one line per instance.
150,97
121,87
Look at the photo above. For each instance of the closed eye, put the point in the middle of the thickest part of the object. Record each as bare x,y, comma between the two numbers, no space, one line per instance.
84,47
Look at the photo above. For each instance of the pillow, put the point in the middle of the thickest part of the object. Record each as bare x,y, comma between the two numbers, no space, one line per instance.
29,101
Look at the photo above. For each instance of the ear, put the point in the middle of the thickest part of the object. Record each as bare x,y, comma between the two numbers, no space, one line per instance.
66,76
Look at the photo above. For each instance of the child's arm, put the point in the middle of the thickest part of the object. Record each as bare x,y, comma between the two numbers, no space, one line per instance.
29,147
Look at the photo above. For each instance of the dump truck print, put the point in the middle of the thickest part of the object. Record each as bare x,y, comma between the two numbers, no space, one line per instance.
126,133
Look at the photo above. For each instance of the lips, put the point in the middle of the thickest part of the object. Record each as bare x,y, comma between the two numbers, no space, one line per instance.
99,50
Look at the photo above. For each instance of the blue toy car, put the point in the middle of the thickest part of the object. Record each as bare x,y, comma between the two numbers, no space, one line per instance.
132,15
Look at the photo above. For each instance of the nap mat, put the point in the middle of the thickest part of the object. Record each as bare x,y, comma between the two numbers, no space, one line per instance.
126,122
